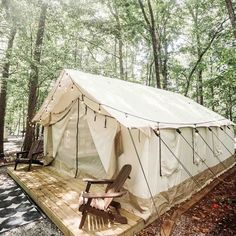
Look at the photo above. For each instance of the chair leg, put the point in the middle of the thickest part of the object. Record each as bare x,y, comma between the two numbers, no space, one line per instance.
84,215
15,165
119,218
29,165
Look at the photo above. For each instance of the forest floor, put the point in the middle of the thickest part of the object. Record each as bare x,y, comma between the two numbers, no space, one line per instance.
213,215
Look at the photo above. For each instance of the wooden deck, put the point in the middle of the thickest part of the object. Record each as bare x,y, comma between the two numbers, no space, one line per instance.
58,195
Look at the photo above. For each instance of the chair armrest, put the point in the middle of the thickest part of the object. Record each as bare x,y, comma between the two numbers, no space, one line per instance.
103,195
20,153
98,181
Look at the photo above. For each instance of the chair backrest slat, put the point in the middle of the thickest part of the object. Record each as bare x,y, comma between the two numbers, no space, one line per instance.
36,146
118,183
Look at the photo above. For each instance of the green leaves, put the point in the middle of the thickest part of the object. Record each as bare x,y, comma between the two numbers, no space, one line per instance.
85,35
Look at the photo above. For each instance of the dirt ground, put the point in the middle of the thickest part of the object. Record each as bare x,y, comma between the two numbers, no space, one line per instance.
214,215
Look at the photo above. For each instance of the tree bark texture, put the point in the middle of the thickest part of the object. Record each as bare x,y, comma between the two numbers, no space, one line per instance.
3,86
232,17
113,9
152,29
34,76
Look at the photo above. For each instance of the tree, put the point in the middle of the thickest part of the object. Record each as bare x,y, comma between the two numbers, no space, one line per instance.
34,77
3,92
5,73
232,17
151,24
114,11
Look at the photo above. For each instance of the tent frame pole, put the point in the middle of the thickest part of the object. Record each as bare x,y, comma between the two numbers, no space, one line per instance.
77,140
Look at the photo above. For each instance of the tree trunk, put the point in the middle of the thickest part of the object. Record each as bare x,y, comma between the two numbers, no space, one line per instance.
155,56
164,68
3,86
152,29
115,57
230,105
232,16
200,87
33,83
114,12
121,65
212,98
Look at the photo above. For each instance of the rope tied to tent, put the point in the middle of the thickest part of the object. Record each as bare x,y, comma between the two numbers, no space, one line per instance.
197,132
145,177
194,151
209,168
220,141
227,133
140,163
190,175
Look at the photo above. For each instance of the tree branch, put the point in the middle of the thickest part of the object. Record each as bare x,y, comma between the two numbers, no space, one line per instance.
215,35
144,14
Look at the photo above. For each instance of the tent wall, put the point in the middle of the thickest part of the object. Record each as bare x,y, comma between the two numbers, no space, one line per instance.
175,184
65,147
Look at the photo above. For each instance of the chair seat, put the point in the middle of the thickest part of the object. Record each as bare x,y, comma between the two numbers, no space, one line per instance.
97,203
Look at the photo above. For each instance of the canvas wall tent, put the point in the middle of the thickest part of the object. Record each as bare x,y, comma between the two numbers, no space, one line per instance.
95,125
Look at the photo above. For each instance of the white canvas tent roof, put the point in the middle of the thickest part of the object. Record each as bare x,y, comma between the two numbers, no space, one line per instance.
133,105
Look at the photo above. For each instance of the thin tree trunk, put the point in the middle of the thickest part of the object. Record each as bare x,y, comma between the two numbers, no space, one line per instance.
200,87
115,13
33,83
120,45
232,16
200,70
164,69
115,57
230,104
152,30
3,92
212,98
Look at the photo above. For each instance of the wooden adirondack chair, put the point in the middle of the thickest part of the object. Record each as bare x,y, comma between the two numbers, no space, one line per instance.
30,157
100,204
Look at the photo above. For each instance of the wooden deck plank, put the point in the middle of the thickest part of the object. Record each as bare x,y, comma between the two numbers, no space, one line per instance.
57,195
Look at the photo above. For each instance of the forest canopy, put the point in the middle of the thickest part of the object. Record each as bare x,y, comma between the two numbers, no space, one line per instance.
185,46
